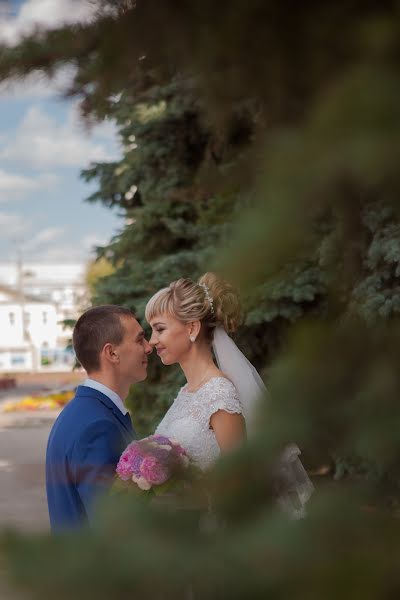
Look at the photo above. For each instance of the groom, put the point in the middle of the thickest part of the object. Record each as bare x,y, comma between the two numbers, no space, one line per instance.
91,432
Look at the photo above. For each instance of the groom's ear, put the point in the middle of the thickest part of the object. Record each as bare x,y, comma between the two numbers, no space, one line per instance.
110,354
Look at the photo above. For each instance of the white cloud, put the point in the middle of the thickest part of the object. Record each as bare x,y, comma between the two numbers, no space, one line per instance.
47,14
41,141
91,240
61,253
33,244
44,237
12,225
49,246
37,85
13,185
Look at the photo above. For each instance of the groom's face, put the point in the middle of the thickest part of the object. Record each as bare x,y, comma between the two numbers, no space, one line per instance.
133,351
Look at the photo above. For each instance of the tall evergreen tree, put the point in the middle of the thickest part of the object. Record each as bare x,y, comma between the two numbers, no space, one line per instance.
267,137
174,215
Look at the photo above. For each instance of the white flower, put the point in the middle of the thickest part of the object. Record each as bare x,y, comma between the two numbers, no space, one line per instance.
141,482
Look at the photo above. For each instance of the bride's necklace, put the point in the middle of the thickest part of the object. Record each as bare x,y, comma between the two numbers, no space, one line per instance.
198,386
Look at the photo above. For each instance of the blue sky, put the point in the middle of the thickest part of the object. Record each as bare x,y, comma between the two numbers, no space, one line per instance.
43,148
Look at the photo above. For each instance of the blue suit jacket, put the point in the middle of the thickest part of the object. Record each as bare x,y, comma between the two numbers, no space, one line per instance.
83,450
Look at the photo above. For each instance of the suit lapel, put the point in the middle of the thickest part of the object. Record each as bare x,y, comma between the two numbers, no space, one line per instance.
83,390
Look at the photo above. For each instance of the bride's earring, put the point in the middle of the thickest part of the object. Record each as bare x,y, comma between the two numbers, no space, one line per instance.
192,338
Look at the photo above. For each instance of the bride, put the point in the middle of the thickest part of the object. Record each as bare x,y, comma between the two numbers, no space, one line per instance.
215,410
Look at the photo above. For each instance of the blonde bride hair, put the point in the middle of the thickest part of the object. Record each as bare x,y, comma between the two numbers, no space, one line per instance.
212,301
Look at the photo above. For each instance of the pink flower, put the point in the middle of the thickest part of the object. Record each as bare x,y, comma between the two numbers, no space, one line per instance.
130,461
154,471
151,461
124,469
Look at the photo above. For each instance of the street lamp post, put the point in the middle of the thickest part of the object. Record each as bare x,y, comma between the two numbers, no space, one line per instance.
21,299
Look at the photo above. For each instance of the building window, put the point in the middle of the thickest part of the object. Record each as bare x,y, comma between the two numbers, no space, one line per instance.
44,314
18,360
27,318
11,317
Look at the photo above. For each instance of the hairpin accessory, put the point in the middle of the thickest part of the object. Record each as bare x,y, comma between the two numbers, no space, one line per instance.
208,296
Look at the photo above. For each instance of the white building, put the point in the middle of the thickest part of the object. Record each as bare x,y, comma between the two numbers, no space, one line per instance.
34,300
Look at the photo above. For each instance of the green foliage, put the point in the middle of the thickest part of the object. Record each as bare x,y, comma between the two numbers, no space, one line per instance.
262,138
174,218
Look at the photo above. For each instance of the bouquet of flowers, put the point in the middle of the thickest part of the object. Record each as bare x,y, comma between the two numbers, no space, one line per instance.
152,464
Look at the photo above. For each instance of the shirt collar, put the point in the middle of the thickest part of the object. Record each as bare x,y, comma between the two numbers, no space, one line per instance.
96,385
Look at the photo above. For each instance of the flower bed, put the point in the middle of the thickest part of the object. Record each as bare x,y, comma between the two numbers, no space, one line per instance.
52,401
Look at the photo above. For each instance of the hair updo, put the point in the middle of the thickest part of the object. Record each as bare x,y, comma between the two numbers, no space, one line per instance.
212,301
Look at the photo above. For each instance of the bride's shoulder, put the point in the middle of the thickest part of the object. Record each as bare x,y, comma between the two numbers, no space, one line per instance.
222,382
222,395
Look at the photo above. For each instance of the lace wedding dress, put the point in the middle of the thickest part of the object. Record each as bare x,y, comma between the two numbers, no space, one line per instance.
188,419
188,422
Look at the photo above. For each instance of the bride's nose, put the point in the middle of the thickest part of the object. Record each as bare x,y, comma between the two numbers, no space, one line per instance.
153,340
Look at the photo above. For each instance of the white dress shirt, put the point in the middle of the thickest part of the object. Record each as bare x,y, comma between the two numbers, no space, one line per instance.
96,385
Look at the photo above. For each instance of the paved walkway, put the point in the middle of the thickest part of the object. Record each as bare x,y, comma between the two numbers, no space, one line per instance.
23,439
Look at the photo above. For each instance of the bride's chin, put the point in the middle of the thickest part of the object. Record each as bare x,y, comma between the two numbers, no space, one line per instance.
167,362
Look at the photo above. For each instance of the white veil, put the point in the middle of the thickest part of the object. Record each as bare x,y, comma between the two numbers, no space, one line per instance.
248,383
293,485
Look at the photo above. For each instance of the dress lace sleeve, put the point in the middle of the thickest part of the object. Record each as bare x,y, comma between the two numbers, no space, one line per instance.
222,395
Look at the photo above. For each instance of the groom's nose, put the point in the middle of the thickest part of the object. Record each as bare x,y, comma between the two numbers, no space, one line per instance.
148,348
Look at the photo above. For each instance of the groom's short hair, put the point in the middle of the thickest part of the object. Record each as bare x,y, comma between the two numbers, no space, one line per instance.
95,328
